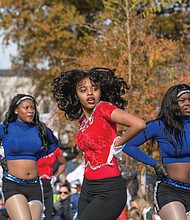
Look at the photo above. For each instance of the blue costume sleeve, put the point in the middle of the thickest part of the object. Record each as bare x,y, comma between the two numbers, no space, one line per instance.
132,147
53,144
1,131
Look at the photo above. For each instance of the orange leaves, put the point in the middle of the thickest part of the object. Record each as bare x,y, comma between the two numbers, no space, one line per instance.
162,51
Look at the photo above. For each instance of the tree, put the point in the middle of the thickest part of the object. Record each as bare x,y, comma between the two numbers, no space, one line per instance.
46,32
56,35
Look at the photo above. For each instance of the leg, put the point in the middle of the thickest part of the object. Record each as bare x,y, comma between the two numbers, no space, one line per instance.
102,199
173,211
56,218
172,202
35,207
48,202
102,210
17,208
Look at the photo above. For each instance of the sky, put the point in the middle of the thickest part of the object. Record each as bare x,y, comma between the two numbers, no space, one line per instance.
5,53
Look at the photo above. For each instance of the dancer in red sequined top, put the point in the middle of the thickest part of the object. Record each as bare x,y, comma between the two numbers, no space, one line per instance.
48,178
95,98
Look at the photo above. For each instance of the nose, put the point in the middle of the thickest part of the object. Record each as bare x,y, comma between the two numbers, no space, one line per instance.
89,92
31,110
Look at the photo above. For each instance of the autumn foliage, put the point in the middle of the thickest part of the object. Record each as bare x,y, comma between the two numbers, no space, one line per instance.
58,35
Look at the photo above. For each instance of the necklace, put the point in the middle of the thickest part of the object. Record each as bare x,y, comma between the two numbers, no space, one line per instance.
88,121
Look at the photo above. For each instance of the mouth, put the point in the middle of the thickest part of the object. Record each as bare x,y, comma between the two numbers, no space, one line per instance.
31,116
91,101
187,110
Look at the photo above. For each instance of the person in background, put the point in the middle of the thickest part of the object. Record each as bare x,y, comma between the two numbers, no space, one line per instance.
24,140
77,174
134,214
62,208
45,168
94,97
171,130
145,208
3,212
75,194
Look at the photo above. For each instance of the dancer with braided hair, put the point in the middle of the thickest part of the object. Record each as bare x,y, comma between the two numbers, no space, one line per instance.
171,130
94,97
24,140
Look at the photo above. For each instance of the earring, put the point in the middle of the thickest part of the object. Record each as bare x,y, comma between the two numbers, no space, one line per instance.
16,113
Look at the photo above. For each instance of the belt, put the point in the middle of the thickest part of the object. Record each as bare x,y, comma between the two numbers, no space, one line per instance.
18,180
176,183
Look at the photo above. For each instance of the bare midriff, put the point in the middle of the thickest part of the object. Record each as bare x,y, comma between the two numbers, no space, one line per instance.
179,172
23,169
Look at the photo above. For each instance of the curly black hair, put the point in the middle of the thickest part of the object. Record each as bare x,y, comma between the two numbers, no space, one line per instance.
170,113
64,89
10,116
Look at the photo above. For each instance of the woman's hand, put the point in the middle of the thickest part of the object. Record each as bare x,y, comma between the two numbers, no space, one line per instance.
53,180
160,171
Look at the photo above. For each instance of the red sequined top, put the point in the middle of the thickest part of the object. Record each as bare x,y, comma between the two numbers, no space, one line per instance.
95,138
45,164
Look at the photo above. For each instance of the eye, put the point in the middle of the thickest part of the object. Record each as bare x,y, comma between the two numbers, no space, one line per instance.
82,90
95,88
181,100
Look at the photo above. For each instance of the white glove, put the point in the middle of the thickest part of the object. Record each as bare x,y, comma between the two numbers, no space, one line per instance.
53,180
115,151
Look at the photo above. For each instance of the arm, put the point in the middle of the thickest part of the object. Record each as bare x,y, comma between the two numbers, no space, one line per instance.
134,125
132,147
151,131
62,166
57,206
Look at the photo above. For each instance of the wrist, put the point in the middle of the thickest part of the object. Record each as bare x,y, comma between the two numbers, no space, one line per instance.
53,180
156,162
115,144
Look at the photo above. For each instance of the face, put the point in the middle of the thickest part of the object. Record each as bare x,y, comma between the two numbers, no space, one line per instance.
88,93
64,192
134,204
184,104
25,111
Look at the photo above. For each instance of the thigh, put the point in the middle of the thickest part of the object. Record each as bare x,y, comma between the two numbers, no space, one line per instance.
102,210
103,206
32,192
166,194
18,208
102,199
26,197
35,210
173,211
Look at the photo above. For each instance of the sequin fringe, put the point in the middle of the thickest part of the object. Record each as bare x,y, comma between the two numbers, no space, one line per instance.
18,180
